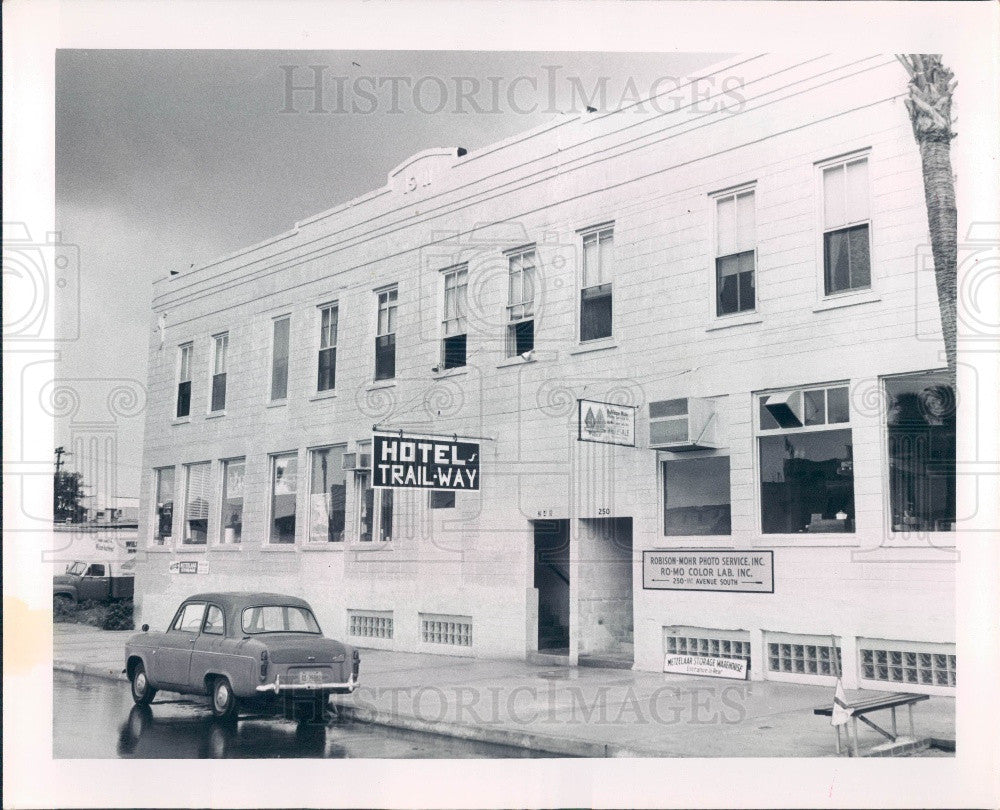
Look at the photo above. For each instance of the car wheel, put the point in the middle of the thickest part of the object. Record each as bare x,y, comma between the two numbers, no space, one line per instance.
142,692
223,699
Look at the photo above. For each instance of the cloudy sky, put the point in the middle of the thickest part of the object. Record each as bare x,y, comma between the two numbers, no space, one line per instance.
166,159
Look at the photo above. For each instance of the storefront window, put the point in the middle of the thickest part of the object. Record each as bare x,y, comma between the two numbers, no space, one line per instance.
327,495
284,474
806,468
696,496
375,511
921,433
197,503
232,500
163,524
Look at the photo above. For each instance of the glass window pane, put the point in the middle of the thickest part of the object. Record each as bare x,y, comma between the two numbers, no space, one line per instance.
596,313
837,406
814,404
834,197
284,473
857,190
327,495
836,261
725,226
164,521
861,274
279,364
606,249
197,503
590,261
807,482
696,496
232,500
746,222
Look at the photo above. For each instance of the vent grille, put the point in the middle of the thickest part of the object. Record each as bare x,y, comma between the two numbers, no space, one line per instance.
455,631
898,662
370,624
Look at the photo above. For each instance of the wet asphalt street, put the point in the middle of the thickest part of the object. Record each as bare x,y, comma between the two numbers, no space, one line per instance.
96,719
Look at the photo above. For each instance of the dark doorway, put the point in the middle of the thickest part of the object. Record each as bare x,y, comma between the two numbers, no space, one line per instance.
552,582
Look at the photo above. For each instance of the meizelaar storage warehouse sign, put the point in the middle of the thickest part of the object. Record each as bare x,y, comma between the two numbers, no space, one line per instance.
416,463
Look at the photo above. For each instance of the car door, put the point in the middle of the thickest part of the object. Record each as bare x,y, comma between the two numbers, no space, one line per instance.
94,583
173,654
208,652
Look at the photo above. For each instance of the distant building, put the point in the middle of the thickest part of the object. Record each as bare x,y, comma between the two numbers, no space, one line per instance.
701,361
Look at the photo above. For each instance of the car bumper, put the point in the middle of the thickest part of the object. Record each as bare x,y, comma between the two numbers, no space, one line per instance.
290,688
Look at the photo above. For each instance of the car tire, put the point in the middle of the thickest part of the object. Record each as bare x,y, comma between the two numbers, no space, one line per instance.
223,699
142,692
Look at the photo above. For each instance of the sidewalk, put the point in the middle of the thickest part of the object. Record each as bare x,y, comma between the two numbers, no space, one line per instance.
565,710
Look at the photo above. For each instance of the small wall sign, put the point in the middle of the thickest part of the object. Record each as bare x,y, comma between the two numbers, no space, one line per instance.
606,423
708,570
189,567
733,668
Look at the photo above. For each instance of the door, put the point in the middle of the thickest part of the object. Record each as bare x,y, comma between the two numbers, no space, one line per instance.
208,652
173,655
94,582
552,582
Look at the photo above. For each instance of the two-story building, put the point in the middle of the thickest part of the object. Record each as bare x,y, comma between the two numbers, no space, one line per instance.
697,350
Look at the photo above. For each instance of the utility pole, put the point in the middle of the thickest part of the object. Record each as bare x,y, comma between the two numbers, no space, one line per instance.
60,452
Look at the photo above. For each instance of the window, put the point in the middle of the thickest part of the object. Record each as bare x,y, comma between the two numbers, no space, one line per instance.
375,511
215,624
370,624
598,275
326,379
521,303
803,655
163,520
442,499
453,630
232,500
189,618
454,343
279,619
908,662
846,226
279,359
696,496
95,570
196,503
385,335
220,352
735,252
327,494
284,472
184,380
806,466
704,642
921,433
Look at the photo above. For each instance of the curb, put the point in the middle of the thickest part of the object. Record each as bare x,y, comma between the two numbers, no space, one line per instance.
93,670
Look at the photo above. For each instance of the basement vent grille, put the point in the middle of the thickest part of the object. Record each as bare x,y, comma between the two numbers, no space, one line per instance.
453,630
899,662
369,624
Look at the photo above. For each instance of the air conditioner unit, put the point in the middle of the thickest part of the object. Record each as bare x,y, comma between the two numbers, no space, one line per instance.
786,408
680,425
357,461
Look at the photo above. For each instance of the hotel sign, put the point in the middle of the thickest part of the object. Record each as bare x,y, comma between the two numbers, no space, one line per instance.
606,423
414,463
708,570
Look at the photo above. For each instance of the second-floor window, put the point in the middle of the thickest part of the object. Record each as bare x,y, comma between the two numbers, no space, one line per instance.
521,302
735,252
184,380
326,379
279,358
385,335
220,351
454,343
595,292
846,227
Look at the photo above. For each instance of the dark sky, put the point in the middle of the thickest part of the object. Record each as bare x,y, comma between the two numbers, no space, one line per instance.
168,158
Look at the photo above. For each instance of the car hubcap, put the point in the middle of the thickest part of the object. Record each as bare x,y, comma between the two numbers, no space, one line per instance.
140,683
221,697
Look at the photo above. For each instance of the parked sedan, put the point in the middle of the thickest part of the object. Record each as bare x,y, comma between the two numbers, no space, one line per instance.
260,650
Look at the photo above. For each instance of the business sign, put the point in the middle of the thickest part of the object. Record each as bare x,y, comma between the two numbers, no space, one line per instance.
189,567
413,463
734,668
708,570
606,423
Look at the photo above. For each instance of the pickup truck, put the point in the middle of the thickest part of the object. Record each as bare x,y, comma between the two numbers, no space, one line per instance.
94,581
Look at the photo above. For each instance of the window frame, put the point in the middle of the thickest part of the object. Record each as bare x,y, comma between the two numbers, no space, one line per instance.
461,320
375,542
715,197
321,310
275,319
511,322
155,540
213,373
204,621
393,305
180,612
345,533
184,349
596,231
820,167
222,493
799,539
269,510
183,542
662,457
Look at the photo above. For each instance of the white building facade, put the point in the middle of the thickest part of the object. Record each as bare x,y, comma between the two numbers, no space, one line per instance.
740,275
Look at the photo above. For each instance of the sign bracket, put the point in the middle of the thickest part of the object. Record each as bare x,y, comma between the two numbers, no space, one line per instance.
453,436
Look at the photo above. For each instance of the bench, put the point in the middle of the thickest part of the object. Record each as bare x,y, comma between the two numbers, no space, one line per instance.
860,708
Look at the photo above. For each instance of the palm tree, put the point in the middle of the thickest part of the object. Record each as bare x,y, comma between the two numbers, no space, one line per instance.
929,104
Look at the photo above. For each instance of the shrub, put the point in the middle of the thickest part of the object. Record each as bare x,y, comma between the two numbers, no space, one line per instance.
118,616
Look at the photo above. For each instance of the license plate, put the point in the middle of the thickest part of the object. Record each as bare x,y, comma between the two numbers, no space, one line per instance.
310,676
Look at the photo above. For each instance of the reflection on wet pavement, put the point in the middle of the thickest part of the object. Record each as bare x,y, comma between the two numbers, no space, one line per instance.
96,719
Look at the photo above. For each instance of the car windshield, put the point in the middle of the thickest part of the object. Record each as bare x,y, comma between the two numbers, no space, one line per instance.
76,568
279,619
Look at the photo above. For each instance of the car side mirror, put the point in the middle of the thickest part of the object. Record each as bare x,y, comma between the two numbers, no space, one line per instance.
145,628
